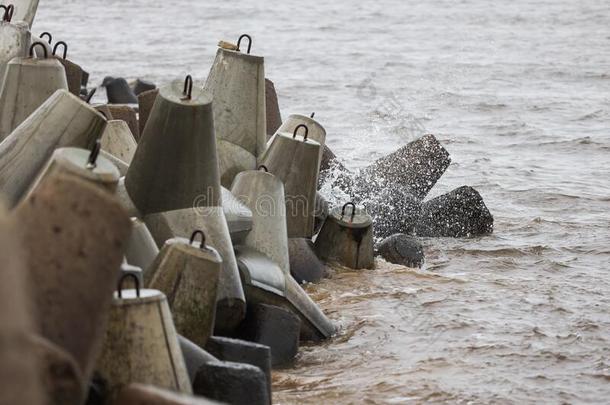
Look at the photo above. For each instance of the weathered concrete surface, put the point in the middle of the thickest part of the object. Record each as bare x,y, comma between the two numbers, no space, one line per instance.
316,130
15,40
74,75
63,120
29,82
263,194
241,351
232,383
274,116
120,165
231,304
25,10
166,176
194,356
460,213
146,101
237,84
62,379
295,161
142,85
239,216
304,264
128,114
119,92
74,162
76,234
140,394
147,350
119,141
141,248
415,167
18,365
347,238
402,249
188,275
136,275
262,324
265,283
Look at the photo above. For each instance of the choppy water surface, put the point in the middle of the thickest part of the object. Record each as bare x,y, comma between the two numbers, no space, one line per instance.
517,91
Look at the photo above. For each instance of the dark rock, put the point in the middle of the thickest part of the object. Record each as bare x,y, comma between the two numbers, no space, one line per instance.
241,351
460,213
320,212
416,167
84,79
275,327
304,264
143,85
233,383
194,356
402,249
333,170
274,117
118,91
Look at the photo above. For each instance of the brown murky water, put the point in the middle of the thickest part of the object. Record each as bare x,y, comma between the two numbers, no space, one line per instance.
518,92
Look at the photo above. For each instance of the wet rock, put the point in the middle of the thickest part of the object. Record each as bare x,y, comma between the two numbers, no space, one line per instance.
127,114
262,324
142,85
416,167
402,249
194,356
460,213
146,100
241,351
304,264
274,117
233,383
140,394
118,91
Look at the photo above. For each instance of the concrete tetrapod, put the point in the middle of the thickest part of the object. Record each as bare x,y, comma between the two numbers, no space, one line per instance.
140,394
239,216
76,236
19,378
194,356
119,141
141,344
188,275
125,113
231,302
347,237
237,83
274,116
25,10
265,283
74,73
84,164
146,101
166,176
15,41
63,120
29,82
316,130
141,248
295,160
263,194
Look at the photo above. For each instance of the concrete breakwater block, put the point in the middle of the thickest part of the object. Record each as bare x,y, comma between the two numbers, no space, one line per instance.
74,73
236,82
119,141
402,249
19,366
125,113
274,116
118,91
232,383
146,100
316,131
25,10
15,43
347,238
140,394
28,83
460,213
295,160
416,167
263,194
62,379
147,351
239,216
194,356
135,274
63,120
187,273
304,264
262,324
241,351
76,234
320,213
141,249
